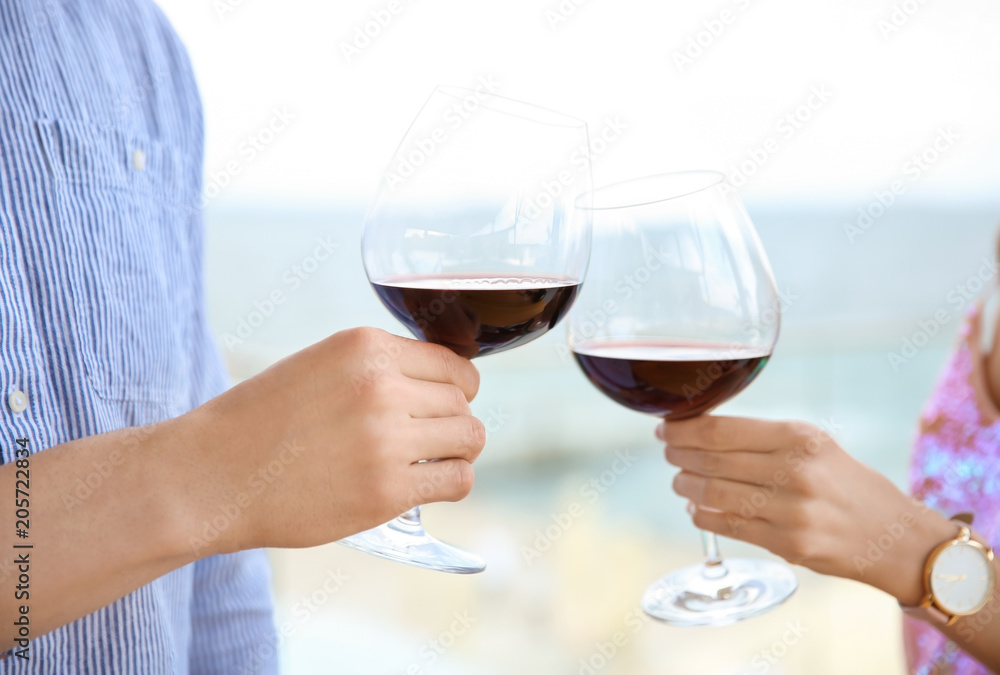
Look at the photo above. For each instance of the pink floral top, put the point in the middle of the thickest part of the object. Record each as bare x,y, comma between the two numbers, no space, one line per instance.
956,468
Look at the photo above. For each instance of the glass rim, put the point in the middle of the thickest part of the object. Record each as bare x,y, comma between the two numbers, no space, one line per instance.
587,201
541,114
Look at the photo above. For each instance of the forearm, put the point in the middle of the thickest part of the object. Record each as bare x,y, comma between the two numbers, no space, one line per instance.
106,517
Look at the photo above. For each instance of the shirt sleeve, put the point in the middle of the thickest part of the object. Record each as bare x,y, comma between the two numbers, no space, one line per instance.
232,627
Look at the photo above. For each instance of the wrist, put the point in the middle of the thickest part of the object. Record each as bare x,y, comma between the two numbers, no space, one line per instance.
187,486
903,576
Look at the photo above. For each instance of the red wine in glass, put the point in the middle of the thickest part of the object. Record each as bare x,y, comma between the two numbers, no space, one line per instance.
671,379
477,315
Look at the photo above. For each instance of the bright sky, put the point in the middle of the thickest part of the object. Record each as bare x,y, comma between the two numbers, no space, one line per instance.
870,93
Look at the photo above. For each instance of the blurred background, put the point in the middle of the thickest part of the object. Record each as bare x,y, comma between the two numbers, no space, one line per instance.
815,110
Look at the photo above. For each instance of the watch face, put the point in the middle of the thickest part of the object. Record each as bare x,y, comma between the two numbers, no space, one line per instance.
962,579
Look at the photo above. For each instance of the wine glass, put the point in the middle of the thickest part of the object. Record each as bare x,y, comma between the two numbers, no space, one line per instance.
475,241
679,315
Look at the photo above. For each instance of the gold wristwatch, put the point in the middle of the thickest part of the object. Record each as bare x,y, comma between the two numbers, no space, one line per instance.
959,577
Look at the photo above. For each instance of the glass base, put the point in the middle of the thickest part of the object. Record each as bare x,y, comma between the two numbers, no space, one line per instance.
717,595
404,540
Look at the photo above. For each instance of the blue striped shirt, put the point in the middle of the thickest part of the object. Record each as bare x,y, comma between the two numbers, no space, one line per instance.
102,315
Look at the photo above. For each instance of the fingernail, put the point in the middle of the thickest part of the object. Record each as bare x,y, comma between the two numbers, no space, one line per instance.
660,428
691,508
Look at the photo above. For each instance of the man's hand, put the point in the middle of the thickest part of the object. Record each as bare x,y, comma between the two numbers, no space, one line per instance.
324,444
790,488
334,440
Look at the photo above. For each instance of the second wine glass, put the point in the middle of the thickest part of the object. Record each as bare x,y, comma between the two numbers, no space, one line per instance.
679,315
475,242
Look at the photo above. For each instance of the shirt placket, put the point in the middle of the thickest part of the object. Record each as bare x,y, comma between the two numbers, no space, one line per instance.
22,375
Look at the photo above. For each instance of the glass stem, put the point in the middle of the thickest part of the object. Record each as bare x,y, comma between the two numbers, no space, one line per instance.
710,545
411,517
407,523
713,559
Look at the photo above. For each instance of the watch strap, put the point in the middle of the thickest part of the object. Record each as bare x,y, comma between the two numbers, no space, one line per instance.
928,613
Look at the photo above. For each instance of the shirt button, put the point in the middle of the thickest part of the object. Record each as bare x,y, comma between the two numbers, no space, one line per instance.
18,401
139,160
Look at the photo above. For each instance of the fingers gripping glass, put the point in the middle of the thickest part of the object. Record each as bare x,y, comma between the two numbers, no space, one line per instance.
474,241
680,314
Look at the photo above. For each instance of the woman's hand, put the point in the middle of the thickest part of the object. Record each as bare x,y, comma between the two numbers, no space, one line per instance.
790,488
